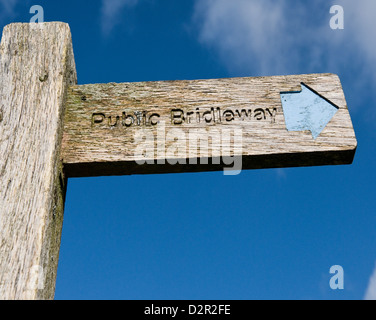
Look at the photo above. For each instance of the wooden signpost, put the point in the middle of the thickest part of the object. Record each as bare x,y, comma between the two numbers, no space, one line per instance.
52,129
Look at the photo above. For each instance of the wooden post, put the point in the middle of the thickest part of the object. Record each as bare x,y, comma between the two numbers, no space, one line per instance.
36,67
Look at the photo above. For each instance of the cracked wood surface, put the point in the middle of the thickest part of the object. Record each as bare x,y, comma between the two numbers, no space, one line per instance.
36,67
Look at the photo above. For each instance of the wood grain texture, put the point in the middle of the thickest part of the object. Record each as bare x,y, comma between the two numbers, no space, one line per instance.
36,67
101,124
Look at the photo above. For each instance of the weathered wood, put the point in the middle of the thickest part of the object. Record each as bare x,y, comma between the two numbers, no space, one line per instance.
36,67
99,136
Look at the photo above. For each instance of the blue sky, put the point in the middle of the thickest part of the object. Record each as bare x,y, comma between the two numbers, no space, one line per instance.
265,234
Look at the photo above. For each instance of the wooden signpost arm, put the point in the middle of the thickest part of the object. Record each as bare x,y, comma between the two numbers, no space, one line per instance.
104,122
36,68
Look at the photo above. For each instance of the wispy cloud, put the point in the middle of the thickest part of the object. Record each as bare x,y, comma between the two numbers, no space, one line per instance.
111,13
265,37
7,8
371,290
8,5
360,24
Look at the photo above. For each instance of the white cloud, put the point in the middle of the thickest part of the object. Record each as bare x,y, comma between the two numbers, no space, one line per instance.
361,24
265,37
111,13
242,31
371,290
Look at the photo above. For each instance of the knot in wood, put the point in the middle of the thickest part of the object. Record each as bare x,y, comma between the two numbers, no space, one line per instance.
43,78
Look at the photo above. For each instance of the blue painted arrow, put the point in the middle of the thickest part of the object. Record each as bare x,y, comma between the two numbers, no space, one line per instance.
307,110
